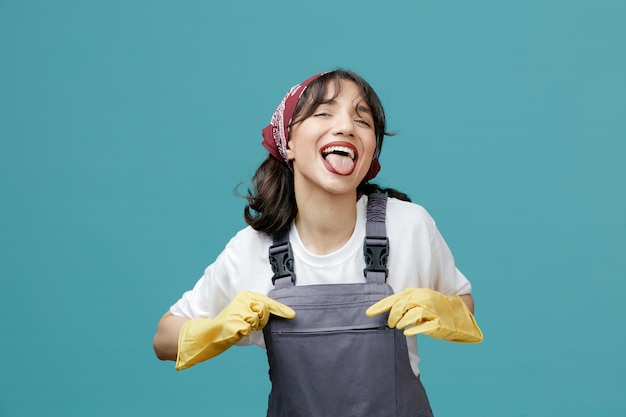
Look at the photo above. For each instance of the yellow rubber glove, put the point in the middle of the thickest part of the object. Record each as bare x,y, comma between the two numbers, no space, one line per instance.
202,339
429,312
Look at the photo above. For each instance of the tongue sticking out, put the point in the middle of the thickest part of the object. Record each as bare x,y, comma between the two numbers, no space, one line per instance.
341,164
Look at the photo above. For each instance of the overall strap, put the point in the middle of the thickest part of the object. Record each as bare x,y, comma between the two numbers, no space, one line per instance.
281,260
376,243
375,247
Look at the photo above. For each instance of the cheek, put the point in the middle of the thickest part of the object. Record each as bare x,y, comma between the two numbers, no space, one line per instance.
371,146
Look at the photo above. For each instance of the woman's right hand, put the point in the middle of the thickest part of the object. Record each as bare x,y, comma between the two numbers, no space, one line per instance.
202,339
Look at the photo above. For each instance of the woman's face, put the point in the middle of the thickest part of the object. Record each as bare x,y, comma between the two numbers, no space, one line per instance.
332,149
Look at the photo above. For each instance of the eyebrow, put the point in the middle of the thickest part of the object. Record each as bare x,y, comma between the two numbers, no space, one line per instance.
364,109
359,108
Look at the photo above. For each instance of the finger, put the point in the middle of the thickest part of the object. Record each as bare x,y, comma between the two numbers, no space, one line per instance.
422,327
411,317
280,309
382,306
262,306
404,312
265,304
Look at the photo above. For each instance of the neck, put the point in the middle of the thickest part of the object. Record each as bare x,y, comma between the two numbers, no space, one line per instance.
325,222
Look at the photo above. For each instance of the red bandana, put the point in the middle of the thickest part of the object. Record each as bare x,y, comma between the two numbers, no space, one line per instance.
276,134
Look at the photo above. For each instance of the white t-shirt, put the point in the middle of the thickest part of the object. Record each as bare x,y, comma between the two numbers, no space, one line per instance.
418,258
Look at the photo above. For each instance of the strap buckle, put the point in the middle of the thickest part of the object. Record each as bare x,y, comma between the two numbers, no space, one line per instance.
281,260
376,251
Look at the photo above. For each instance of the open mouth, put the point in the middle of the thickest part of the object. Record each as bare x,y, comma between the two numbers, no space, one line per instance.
340,158
338,150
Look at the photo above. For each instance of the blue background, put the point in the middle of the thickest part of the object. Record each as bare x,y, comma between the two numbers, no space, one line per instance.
125,127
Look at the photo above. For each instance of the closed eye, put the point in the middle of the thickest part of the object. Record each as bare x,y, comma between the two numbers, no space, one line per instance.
364,111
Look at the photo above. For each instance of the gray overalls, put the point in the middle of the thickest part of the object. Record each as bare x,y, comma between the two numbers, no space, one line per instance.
332,360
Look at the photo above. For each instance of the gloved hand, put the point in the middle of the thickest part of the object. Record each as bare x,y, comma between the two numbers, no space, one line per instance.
431,313
202,339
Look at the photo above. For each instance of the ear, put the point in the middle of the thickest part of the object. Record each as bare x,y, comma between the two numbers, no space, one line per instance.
290,154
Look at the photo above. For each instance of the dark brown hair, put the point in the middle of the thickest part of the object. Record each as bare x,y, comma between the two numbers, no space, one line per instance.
271,198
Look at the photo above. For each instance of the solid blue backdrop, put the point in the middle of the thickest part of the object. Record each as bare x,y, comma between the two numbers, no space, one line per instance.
125,127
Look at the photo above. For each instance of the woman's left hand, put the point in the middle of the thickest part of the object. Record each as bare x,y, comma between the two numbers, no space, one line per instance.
422,310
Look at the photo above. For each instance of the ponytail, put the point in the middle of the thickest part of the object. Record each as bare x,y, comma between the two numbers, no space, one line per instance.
271,199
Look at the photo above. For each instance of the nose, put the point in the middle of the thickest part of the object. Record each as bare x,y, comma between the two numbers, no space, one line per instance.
344,125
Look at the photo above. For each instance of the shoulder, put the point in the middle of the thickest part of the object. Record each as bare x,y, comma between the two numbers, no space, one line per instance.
405,215
249,236
419,257
243,264
248,241
408,207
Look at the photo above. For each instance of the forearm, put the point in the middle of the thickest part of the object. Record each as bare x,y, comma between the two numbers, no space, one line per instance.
165,341
469,302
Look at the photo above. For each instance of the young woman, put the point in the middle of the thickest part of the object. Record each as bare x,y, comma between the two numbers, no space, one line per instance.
334,275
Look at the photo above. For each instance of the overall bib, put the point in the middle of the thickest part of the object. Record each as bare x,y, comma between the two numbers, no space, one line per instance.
331,359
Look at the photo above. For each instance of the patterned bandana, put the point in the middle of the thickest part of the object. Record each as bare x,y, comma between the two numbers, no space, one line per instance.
276,134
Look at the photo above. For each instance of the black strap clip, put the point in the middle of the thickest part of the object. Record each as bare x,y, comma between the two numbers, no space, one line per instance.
376,251
281,260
